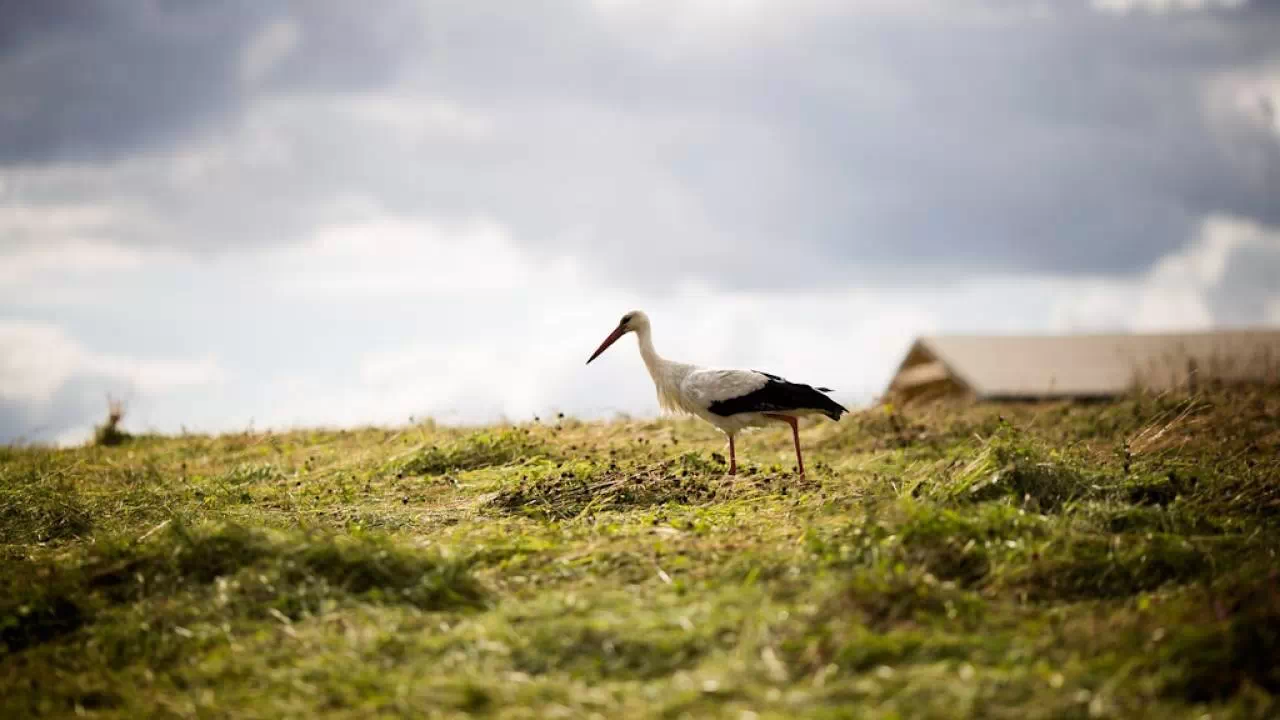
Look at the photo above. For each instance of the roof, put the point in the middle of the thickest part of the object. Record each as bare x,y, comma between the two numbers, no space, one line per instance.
993,367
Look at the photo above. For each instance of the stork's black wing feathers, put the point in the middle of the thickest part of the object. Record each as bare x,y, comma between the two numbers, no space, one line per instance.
779,395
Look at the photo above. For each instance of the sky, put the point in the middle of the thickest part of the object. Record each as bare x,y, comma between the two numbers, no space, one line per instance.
268,214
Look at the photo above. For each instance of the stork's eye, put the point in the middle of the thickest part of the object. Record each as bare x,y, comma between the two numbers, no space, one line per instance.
625,319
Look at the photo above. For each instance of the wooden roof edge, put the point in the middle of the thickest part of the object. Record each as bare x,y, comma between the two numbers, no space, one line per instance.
1266,330
952,367
921,344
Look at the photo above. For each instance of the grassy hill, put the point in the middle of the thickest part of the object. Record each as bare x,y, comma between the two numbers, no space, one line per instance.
1092,561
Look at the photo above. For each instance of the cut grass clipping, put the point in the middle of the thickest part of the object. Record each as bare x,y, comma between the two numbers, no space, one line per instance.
478,450
258,574
569,490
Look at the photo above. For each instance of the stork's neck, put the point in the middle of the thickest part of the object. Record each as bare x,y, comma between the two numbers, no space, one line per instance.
652,360
667,375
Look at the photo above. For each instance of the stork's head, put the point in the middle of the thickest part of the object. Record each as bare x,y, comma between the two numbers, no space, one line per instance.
634,321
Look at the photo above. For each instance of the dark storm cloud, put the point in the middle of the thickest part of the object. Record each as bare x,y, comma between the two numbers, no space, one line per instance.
27,21
1075,142
85,80
858,147
82,81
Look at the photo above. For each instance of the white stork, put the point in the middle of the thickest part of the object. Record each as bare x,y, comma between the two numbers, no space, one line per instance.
729,399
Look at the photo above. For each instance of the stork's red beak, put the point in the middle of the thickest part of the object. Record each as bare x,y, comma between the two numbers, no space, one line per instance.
613,338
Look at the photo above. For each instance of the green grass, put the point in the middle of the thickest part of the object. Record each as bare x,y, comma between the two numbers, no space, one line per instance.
1019,561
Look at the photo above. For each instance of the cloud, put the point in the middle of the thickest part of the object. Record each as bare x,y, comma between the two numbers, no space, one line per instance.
36,361
94,83
1228,276
868,142
83,82
57,256
49,382
400,338
439,208
265,51
27,267
1163,6
389,256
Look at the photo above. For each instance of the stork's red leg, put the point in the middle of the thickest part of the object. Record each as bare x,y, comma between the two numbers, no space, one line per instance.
795,435
733,458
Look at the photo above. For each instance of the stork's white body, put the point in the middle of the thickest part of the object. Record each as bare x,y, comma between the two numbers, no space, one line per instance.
731,400
691,389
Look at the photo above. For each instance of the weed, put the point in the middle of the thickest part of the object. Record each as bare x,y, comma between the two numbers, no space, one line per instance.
109,433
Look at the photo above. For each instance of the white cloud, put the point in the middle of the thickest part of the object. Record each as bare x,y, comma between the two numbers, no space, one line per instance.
26,223
1184,289
469,382
1244,99
704,27
1163,6
25,265
65,271
467,327
285,170
514,345
273,43
388,255
46,247
417,117
37,360
710,12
